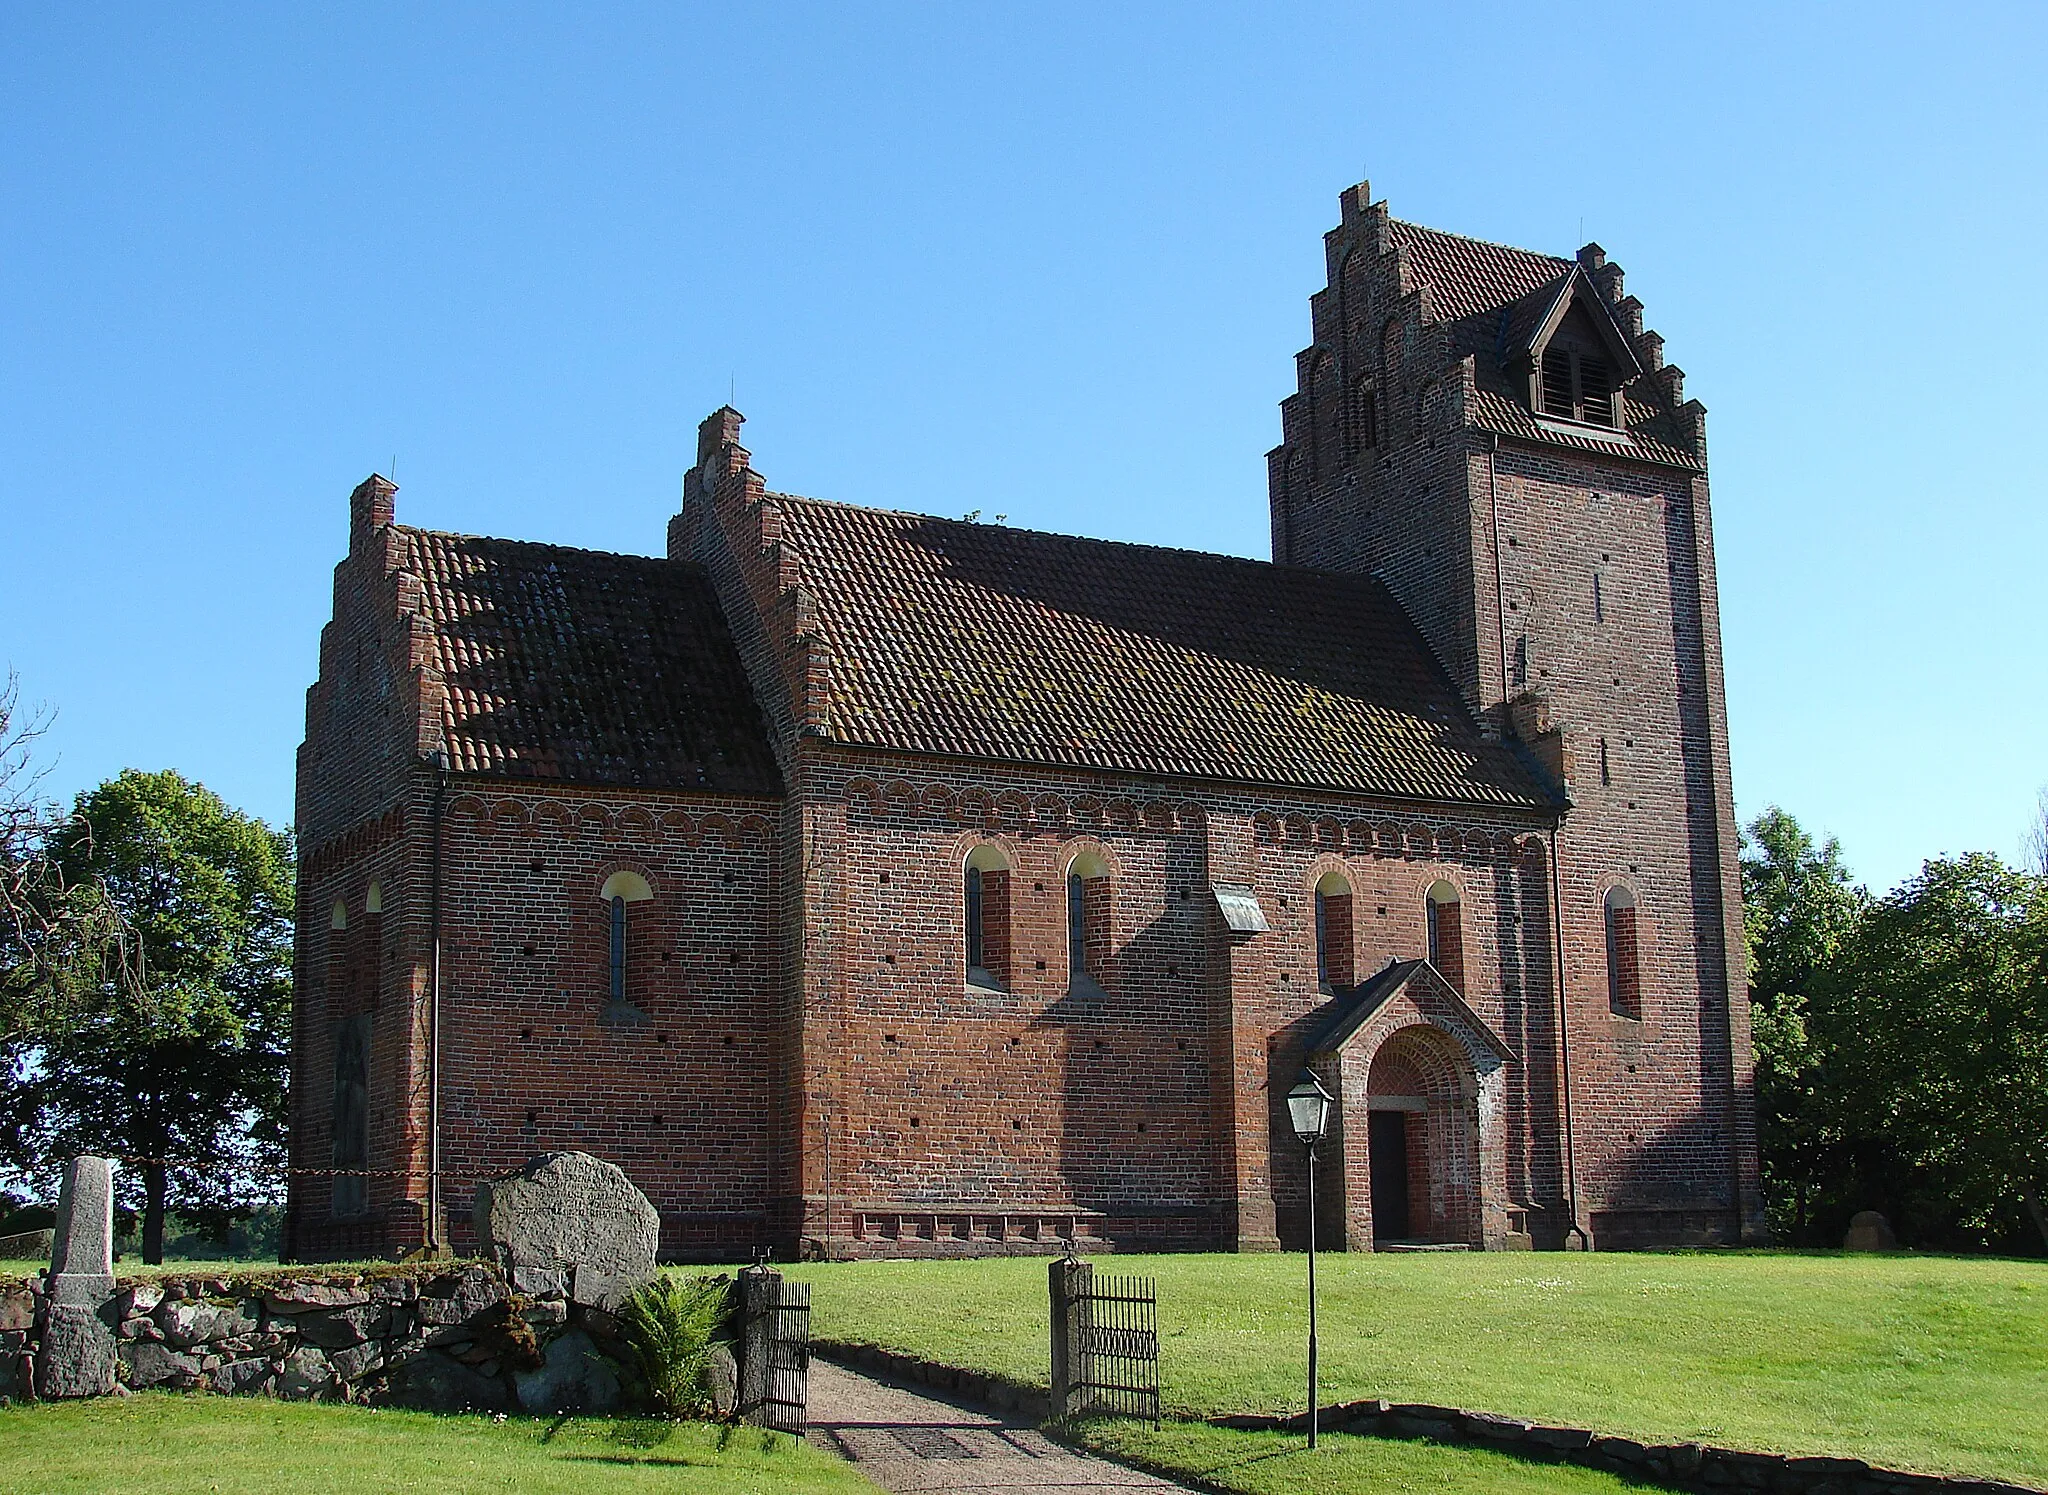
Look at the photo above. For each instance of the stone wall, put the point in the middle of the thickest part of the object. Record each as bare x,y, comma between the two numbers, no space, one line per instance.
439,1336
1678,1466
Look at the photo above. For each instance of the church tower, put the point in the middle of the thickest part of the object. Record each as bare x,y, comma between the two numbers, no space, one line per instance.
1494,434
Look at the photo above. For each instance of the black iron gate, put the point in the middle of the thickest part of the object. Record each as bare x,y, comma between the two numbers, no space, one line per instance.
775,1351
1105,1343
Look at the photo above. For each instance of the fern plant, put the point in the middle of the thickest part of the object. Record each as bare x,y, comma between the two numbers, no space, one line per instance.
672,1326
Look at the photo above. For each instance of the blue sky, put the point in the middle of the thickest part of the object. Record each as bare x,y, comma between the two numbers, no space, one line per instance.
1051,262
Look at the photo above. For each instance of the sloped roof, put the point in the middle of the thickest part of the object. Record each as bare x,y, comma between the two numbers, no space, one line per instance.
980,641
1349,1010
1492,298
587,667
1471,277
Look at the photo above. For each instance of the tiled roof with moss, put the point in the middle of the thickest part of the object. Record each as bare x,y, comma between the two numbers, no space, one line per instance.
980,641
588,667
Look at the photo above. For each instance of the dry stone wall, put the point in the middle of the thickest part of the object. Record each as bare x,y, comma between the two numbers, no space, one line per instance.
1679,1466
437,1336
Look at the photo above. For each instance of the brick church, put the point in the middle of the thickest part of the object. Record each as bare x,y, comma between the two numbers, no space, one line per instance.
872,884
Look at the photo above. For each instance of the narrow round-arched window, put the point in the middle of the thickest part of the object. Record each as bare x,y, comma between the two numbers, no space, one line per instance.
1087,917
1365,415
1333,932
1624,961
1445,914
987,916
337,917
620,889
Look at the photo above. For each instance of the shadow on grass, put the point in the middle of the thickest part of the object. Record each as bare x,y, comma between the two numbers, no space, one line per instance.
642,1432
1214,1476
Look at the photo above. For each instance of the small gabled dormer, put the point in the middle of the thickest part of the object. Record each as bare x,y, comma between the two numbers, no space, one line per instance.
1575,361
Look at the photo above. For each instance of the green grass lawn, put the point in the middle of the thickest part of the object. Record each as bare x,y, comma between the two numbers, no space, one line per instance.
1932,1363
169,1444
21,1271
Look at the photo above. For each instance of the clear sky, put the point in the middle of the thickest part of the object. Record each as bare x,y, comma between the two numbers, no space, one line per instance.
1048,261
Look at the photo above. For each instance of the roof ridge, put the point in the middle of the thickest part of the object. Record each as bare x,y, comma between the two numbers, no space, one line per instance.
1445,233
1054,534
611,555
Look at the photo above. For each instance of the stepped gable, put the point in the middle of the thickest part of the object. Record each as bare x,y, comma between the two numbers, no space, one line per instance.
1490,299
975,640
586,667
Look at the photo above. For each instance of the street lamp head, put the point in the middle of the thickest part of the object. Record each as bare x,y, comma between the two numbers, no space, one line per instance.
1308,1107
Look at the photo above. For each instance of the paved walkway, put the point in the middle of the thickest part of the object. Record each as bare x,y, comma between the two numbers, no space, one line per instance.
909,1442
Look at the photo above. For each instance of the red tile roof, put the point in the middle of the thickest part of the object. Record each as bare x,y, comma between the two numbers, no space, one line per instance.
1471,277
979,641
587,667
1492,296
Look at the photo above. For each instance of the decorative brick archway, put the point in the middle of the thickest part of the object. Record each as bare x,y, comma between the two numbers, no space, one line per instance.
1405,1047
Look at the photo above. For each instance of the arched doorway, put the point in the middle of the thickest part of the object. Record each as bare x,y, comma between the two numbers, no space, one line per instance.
1422,1141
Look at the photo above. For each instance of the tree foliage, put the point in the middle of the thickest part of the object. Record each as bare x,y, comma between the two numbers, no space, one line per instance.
1936,1032
186,1073
1901,1043
1800,906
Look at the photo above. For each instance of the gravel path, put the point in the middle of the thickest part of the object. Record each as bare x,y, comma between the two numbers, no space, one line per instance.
915,1441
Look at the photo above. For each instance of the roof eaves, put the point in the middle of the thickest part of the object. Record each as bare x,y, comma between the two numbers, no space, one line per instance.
1577,287
1351,1011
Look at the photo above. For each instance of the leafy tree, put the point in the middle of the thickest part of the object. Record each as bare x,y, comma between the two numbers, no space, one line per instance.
187,1074
1801,906
1936,1031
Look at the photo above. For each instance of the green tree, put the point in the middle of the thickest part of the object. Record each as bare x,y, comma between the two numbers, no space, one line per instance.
1800,906
1936,1035
186,1075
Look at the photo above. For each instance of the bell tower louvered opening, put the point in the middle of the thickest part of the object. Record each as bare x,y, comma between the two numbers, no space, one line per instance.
1596,390
1557,383
1578,384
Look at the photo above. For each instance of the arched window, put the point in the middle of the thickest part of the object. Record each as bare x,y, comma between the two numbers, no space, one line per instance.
337,917
620,889
987,908
1087,918
1446,932
1333,932
1365,415
349,1116
1624,965
373,900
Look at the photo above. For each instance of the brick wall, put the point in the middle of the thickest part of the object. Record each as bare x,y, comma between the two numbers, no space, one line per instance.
803,1057
1571,596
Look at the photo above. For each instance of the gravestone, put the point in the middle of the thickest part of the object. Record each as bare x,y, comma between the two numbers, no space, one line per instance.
1869,1231
569,1223
76,1357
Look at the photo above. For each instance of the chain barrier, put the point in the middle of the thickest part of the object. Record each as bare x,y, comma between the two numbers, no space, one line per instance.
194,1165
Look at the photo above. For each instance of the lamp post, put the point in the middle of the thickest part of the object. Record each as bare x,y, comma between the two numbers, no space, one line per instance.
1308,1107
